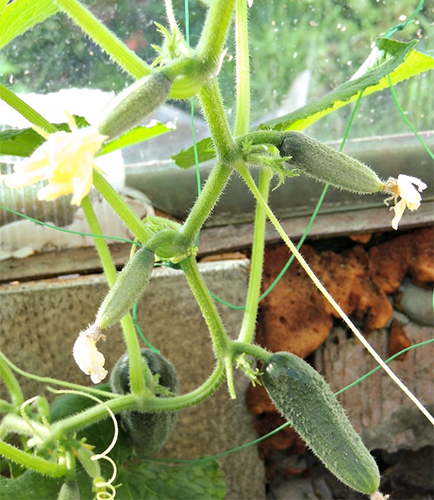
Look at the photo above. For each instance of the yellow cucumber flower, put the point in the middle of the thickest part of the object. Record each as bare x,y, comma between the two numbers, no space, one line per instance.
403,188
65,160
86,355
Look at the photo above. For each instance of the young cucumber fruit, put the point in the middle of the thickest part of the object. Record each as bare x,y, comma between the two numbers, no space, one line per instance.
134,104
326,164
304,398
147,431
128,288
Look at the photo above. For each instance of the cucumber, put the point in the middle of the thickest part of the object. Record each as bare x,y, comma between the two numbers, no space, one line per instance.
304,398
69,491
147,431
133,104
326,164
128,288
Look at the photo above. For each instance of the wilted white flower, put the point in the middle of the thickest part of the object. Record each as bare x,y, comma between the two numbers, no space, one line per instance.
87,356
403,188
65,160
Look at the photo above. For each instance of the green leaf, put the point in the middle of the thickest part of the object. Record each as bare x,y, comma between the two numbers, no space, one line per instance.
3,6
134,136
23,142
21,15
186,158
30,485
388,57
155,481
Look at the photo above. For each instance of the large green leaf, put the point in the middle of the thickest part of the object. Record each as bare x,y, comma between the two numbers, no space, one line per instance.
156,481
389,57
21,15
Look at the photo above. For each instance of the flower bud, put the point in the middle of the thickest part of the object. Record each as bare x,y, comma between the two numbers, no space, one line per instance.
328,165
133,104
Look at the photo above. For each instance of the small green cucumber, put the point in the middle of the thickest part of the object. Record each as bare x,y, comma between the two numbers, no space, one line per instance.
304,398
128,288
147,431
133,104
69,491
326,164
84,455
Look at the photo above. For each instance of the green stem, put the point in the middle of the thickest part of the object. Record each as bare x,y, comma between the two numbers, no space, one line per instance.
247,331
106,39
227,152
274,137
242,119
130,402
214,33
88,417
11,383
140,374
214,111
204,204
25,110
252,350
37,464
207,306
134,224
53,381
192,398
14,424
100,244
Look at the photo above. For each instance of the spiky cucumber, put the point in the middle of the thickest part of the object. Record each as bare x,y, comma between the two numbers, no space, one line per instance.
128,288
304,398
147,431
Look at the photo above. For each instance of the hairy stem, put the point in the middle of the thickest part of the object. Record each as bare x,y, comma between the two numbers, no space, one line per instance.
134,224
257,259
242,119
105,38
207,306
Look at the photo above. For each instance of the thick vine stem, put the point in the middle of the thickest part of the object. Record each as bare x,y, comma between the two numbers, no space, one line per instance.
227,153
38,464
134,224
247,331
130,402
214,33
106,39
204,204
207,306
254,350
242,117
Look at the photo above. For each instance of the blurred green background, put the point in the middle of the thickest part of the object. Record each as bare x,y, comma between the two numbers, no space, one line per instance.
331,38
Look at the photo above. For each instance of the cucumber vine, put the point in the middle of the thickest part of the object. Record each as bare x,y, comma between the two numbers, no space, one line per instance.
276,148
